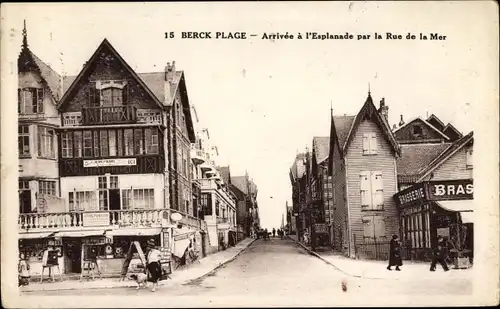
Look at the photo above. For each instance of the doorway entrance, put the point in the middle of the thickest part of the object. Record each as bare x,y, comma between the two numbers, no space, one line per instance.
73,248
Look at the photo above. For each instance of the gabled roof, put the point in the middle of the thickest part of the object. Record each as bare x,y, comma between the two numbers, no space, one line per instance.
369,110
298,170
450,127
321,146
50,78
437,122
240,182
416,157
427,124
445,155
86,71
342,126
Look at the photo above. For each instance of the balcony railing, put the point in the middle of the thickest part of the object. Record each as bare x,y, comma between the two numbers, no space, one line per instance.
198,156
120,218
109,115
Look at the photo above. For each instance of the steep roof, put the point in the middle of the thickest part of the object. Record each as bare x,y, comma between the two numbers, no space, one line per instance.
445,155
342,125
105,44
50,78
298,170
425,122
436,122
416,157
240,182
347,126
321,146
225,174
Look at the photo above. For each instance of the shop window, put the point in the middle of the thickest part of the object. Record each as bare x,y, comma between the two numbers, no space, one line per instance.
47,187
30,101
46,143
23,141
370,144
82,201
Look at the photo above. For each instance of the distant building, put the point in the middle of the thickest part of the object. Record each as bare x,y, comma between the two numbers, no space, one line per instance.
298,181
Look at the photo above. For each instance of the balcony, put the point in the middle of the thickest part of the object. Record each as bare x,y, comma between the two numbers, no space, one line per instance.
198,156
109,115
37,222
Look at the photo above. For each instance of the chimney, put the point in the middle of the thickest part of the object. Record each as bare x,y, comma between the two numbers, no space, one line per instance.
169,79
384,109
401,122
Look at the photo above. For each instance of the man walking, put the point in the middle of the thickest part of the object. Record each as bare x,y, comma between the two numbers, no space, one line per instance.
274,232
439,255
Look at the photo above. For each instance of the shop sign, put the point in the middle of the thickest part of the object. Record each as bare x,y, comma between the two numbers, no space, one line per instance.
411,195
451,189
96,219
320,228
98,240
110,162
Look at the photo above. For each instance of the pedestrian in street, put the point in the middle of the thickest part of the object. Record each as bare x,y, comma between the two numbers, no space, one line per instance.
23,270
438,255
274,232
395,253
153,264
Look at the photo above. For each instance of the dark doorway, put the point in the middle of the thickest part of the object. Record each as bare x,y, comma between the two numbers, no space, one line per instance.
24,201
73,248
114,199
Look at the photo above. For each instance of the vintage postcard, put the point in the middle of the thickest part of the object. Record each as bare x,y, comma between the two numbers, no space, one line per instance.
250,154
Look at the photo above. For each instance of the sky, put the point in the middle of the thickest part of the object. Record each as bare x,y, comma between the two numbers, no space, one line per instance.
263,101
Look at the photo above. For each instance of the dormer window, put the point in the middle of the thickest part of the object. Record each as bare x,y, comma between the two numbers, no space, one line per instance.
416,131
108,93
30,101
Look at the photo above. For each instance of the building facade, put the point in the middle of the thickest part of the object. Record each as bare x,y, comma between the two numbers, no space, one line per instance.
362,163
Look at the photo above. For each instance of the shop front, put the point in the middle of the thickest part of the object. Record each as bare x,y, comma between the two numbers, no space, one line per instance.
437,208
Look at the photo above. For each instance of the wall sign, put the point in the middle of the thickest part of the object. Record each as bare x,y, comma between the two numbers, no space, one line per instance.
110,162
412,195
98,240
451,190
96,219
320,228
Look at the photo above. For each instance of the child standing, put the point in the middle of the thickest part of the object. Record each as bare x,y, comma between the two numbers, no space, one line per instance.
23,269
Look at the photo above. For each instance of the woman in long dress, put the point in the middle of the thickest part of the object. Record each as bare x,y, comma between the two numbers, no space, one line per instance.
153,261
395,253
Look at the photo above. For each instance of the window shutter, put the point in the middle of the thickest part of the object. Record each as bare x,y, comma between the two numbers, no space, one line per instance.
377,186
379,222
366,143
364,178
373,143
368,226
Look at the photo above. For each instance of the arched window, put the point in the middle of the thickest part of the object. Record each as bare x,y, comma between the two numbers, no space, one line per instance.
112,92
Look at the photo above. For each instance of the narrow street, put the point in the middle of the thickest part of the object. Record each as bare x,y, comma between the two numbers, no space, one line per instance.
282,269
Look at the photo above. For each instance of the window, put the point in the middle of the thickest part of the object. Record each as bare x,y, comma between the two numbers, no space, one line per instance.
78,144
87,144
30,100
206,203
373,227
119,141
151,136
82,201
96,144
47,187
129,142
217,207
112,143
138,141
111,97
369,144
46,144
23,140
24,185
468,155
104,143
138,199
371,190
67,144
416,131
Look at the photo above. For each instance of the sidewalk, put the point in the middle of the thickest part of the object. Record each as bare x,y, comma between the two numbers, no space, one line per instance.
371,269
194,271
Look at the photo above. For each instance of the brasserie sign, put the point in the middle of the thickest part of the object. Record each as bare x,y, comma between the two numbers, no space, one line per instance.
460,189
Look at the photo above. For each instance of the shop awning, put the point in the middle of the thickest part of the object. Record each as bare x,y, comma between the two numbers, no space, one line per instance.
134,232
35,235
457,205
467,217
79,233
180,247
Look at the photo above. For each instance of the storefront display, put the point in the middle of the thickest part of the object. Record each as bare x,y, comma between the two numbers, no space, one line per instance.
437,208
